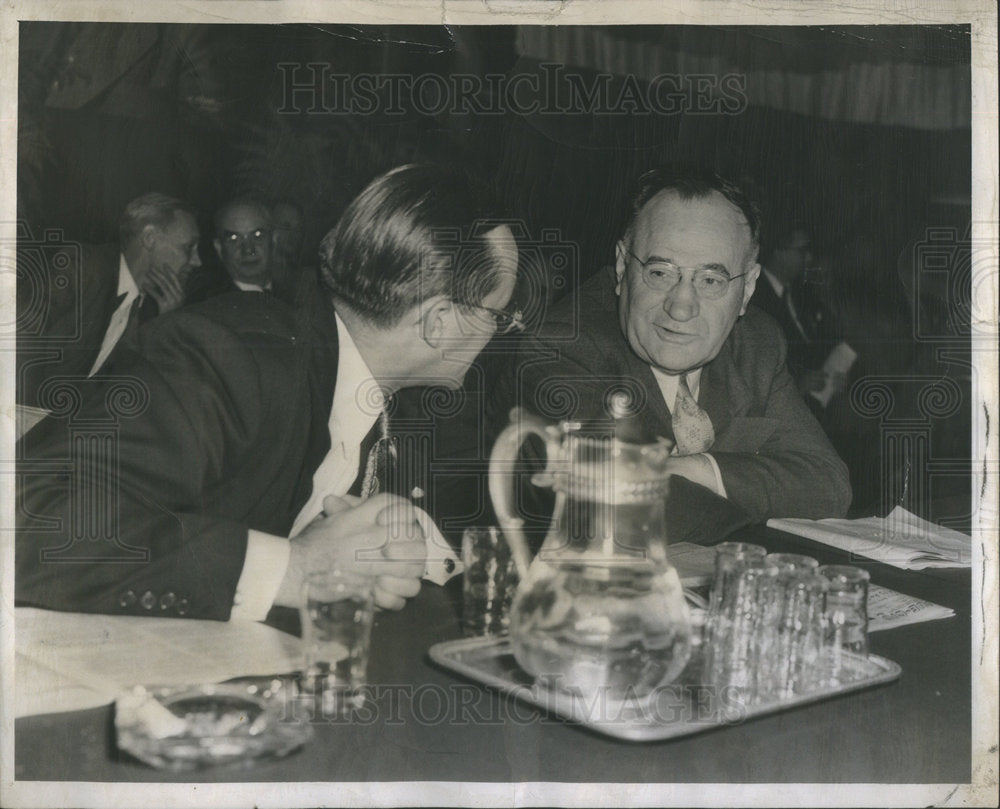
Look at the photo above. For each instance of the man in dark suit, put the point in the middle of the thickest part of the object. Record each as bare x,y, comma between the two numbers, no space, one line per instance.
783,292
666,347
235,466
243,246
77,307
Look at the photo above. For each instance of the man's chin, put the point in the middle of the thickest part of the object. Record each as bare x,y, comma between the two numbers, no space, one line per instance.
673,364
252,275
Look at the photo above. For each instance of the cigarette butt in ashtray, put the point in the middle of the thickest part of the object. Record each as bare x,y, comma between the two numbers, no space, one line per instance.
155,717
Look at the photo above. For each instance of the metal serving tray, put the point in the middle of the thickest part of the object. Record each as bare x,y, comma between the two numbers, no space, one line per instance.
679,709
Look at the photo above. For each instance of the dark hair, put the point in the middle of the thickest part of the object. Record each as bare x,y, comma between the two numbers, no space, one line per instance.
780,235
149,209
413,233
692,182
243,201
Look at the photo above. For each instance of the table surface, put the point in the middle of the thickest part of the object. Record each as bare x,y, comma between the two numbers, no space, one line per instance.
427,724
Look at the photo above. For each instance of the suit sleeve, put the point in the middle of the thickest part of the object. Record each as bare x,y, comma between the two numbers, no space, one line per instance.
795,472
110,514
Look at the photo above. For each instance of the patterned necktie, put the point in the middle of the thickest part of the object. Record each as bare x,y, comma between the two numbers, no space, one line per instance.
377,450
693,431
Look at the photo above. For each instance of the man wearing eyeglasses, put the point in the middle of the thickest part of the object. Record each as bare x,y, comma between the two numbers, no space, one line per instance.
257,446
669,349
243,243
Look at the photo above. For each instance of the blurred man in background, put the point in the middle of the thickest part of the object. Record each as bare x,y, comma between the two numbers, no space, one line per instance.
103,293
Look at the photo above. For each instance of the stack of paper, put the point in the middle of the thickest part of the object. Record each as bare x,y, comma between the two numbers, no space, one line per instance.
888,609
902,539
68,661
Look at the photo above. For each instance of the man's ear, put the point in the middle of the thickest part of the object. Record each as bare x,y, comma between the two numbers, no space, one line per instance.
148,236
749,286
621,259
433,318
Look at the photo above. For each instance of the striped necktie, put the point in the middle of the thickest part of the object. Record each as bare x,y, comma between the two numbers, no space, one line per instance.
693,431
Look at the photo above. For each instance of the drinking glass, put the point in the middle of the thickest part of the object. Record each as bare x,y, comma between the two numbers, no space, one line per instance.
792,561
789,634
337,613
488,583
845,621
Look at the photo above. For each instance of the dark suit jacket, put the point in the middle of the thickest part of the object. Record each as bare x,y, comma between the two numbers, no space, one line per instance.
226,423
806,352
774,458
65,299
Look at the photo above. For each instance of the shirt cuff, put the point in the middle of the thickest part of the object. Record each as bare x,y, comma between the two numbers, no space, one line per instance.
263,571
720,487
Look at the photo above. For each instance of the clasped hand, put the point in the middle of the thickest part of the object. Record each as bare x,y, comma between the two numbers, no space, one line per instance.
379,537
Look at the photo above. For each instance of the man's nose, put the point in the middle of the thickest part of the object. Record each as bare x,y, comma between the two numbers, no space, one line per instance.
681,302
248,248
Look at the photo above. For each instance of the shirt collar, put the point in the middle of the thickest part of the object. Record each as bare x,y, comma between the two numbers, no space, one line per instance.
126,283
357,398
247,287
668,384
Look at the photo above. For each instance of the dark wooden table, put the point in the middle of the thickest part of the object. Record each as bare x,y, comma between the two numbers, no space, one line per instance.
426,724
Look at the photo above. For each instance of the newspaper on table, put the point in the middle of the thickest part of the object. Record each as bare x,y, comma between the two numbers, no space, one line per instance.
901,539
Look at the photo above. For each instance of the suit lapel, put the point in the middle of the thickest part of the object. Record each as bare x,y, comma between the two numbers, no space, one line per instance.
88,309
317,372
723,394
658,414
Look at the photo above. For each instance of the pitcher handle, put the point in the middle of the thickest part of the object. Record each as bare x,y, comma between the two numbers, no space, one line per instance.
503,461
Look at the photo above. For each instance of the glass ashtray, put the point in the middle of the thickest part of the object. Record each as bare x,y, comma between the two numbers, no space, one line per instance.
191,727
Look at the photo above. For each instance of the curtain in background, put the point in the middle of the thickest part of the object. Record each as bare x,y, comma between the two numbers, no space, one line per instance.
913,76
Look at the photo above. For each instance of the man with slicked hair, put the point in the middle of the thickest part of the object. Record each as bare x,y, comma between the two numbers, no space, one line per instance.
255,459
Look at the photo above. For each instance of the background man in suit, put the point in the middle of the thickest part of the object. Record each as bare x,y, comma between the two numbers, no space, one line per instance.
785,294
669,343
90,307
288,220
232,474
244,244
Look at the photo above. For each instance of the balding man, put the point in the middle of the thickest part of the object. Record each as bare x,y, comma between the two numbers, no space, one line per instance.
671,330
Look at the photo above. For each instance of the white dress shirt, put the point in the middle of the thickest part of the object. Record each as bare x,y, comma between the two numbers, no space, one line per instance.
248,287
668,387
356,406
119,319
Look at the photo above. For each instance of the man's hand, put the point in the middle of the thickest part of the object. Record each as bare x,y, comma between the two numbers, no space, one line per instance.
696,468
378,537
811,382
164,287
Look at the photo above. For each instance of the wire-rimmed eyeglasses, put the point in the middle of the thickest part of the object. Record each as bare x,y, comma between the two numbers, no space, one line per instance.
665,275
254,238
508,320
